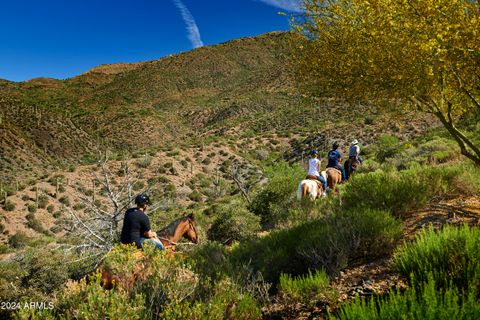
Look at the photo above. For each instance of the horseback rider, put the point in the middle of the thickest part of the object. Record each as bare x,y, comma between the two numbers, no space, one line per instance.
136,225
354,151
334,159
314,169
353,159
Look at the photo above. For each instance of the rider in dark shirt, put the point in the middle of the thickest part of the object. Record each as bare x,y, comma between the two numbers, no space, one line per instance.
136,225
334,159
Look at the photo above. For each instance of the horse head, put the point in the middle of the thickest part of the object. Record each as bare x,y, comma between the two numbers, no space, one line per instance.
191,233
185,227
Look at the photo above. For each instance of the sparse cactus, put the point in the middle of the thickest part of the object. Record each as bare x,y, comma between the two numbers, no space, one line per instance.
94,191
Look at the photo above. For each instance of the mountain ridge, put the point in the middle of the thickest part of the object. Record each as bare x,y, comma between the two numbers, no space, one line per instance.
242,85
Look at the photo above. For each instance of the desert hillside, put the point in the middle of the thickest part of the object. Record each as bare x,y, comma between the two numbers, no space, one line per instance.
219,138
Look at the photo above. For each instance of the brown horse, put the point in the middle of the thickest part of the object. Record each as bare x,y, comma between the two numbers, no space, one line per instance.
350,166
334,177
184,227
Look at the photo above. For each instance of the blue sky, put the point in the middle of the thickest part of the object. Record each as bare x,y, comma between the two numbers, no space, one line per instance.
63,38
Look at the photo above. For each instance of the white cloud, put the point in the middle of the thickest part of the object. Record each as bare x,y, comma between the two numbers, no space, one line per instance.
192,28
288,5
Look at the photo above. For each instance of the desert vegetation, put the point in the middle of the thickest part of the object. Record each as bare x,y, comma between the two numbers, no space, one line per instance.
399,240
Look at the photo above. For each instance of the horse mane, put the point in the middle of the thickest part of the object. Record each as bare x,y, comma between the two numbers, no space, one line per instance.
169,230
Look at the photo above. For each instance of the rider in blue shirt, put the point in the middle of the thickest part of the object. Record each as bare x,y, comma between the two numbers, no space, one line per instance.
334,159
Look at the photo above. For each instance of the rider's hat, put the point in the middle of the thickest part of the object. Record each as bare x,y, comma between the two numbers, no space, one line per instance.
142,199
336,145
313,152
354,142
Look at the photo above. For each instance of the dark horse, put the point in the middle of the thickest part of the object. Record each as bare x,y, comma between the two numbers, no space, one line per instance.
350,166
184,227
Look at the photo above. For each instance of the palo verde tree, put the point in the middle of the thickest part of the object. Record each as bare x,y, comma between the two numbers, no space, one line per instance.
423,52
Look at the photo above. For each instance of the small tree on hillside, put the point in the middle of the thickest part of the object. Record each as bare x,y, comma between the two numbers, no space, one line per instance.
423,51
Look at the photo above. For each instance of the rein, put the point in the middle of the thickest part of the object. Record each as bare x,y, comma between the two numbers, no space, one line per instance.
170,241
178,243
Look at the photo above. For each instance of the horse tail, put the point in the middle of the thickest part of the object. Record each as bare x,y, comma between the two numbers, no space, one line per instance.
304,190
330,180
299,191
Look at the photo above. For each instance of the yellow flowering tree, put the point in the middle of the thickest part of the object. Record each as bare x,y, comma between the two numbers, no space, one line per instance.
426,52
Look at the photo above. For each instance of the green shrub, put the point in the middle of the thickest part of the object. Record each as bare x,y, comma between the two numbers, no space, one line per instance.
56,229
9,190
138,185
452,254
272,202
32,208
465,180
18,240
32,275
184,163
226,303
144,162
329,243
260,154
4,249
58,177
35,225
163,179
173,153
78,206
407,189
42,201
170,191
9,205
50,208
424,303
91,301
308,289
195,196
234,223
368,120
173,171
64,200
387,147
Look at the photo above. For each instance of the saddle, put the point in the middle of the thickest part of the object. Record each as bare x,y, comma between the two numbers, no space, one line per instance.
319,183
353,162
334,169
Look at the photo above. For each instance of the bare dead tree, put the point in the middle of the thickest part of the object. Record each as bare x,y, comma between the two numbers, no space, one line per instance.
95,230
236,177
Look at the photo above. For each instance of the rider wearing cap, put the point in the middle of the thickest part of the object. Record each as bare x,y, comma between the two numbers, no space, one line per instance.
136,225
334,159
314,169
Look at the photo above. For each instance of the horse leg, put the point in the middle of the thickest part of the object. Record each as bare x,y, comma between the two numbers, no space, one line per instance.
346,166
304,190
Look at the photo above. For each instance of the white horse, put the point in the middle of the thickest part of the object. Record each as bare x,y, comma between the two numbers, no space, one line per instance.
311,188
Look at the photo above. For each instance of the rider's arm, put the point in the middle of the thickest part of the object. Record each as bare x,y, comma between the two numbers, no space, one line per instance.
150,234
146,226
